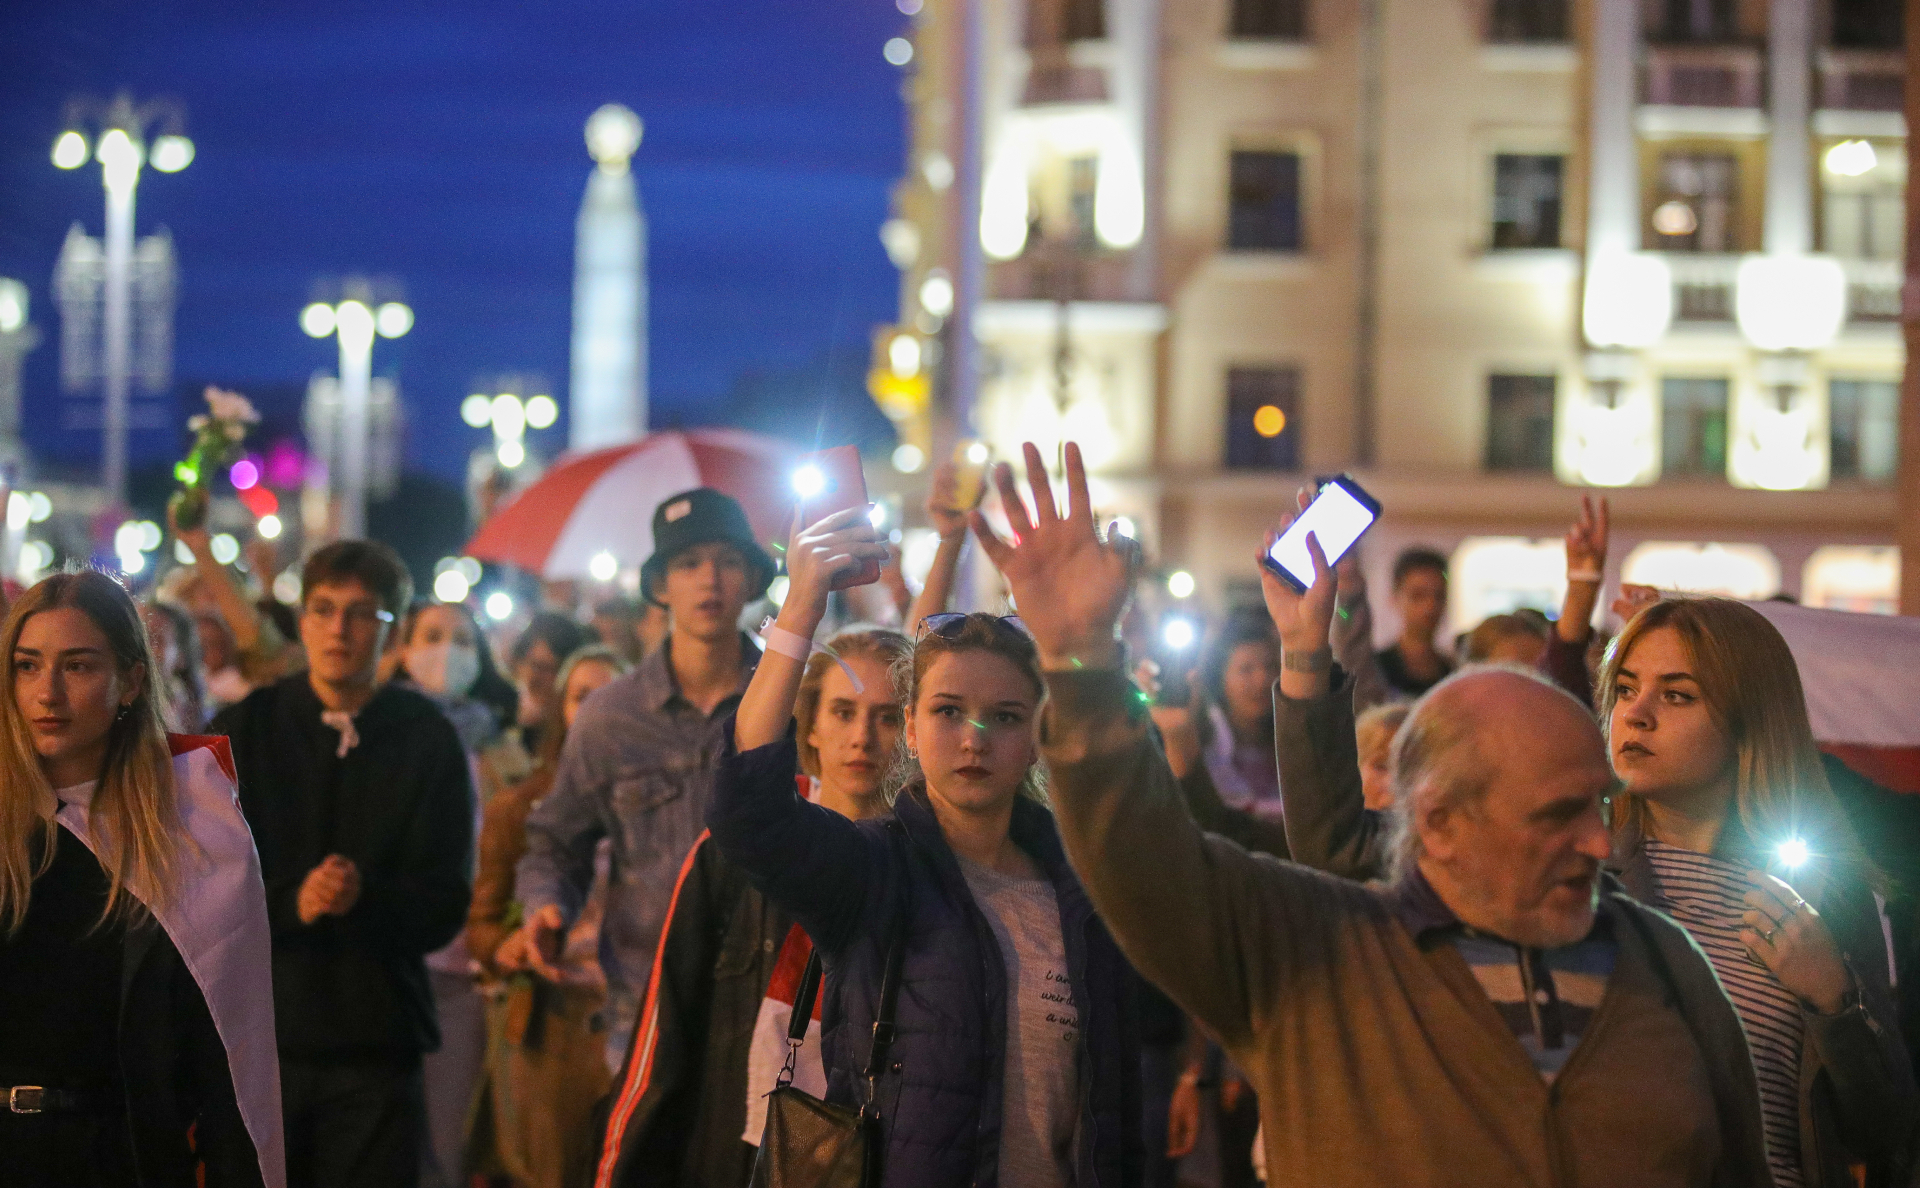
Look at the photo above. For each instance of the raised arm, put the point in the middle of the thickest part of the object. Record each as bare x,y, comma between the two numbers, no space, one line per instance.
1565,659
241,616
842,541
1210,924
949,519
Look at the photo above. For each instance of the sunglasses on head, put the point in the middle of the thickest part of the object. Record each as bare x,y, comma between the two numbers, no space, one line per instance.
949,625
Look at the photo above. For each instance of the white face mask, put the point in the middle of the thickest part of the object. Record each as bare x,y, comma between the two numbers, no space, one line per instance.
449,669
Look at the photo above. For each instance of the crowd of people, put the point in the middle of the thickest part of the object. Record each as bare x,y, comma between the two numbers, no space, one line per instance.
354,893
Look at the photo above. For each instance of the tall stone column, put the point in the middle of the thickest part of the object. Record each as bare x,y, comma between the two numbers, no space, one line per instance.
607,399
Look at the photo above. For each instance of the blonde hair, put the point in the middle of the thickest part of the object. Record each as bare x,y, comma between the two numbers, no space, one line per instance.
134,819
1373,731
879,644
980,632
1751,685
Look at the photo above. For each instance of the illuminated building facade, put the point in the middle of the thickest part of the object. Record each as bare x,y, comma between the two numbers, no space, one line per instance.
607,402
1480,253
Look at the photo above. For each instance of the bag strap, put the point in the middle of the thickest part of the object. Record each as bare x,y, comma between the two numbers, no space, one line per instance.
803,1000
883,1024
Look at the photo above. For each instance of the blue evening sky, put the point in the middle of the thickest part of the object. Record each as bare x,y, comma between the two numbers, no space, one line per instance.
440,143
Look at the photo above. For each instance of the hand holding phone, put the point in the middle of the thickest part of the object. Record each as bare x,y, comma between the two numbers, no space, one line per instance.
832,481
1338,516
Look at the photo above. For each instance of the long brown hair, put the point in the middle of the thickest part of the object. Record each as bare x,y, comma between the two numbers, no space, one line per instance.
553,729
874,643
1752,688
134,817
980,633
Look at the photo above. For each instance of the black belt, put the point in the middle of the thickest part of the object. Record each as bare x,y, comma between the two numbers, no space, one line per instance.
37,1099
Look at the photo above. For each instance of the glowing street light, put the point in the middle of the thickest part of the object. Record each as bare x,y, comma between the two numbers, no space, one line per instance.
355,322
120,150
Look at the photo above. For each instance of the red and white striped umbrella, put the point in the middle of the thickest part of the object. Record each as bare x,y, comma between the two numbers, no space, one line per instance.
1861,674
603,501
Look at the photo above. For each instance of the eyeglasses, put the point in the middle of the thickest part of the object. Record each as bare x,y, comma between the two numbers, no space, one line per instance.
949,625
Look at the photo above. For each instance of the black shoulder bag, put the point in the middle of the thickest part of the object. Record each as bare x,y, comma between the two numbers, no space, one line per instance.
809,1143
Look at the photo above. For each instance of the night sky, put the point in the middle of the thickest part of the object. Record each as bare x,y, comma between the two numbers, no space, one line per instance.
441,144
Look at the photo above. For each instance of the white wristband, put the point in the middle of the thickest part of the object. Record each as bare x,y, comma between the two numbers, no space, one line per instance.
799,647
1584,575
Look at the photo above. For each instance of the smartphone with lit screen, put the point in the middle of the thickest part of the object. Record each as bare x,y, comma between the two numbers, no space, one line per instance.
1338,516
832,481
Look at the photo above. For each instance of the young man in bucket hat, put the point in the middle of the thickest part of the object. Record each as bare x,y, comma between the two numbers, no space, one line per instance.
640,757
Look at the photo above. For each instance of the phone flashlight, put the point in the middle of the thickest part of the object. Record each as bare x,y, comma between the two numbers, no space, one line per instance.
1791,854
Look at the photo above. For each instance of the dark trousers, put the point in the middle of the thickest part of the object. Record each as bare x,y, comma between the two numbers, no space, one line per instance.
358,1124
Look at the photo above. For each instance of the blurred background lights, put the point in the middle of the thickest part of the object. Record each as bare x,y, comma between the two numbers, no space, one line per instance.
39,507
70,150
477,410
286,587
226,550
909,7
469,568
317,319
509,415
777,591
903,355
150,536
1123,526
269,527
542,412
1177,633
603,566
1851,158
182,553
808,482
35,557
877,515
393,320
499,606
13,306
19,507
511,453
936,294
898,51
1675,218
977,453
1269,420
172,153
244,473
1180,584
126,539
909,458
450,585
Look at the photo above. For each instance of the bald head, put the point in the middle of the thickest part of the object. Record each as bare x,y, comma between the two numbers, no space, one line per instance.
1494,746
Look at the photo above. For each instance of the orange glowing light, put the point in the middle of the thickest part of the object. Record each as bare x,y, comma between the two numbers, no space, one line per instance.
1269,421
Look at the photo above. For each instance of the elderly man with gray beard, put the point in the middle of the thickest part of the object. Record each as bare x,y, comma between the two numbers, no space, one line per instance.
1497,1014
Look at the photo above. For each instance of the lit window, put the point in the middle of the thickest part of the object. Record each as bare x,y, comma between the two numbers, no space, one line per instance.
1263,202
1268,20
1693,427
1520,422
1526,200
1852,578
1495,575
1732,570
1521,21
1263,418
1694,204
1862,206
1863,429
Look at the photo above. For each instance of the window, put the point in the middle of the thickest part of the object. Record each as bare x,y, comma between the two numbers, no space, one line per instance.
1083,174
1271,20
1863,214
1263,418
1693,427
1694,205
1520,422
1526,201
1709,21
1863,429
1522,21
1083,20
1868,24
1263,197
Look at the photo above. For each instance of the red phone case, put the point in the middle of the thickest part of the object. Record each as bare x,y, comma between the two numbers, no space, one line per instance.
846,487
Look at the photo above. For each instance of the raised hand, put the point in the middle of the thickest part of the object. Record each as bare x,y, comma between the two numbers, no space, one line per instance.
1070,586
1632,598
1586,541
1303,620
819,552
944,510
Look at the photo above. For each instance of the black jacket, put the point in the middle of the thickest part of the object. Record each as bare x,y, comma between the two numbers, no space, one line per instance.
400,806
680,1102
940,1097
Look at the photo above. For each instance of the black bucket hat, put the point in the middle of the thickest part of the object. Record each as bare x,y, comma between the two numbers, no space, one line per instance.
703,516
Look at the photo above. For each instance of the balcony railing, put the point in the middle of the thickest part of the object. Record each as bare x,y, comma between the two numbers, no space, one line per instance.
1704,76
1048,273
1703,289
1862,80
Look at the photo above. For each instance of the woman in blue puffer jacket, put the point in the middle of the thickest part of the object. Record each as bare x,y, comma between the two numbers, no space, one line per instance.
1016,1062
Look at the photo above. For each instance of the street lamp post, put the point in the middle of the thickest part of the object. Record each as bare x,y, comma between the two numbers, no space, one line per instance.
354,322
121,151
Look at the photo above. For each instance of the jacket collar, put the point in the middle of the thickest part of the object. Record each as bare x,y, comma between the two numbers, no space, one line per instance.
1032,829
654,674
1423,913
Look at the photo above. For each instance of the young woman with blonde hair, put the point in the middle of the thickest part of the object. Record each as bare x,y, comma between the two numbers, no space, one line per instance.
1721,782
1014,1056
136,1019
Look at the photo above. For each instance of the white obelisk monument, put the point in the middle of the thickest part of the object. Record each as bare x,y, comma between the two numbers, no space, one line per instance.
607,401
